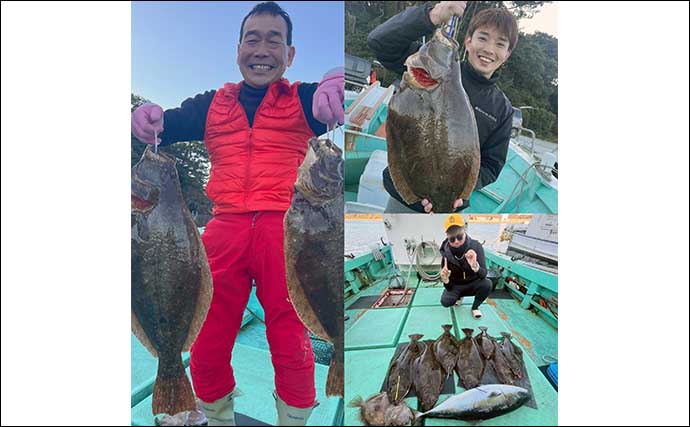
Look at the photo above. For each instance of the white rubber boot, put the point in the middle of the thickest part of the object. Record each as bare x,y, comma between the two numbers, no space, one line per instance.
291,416
222,411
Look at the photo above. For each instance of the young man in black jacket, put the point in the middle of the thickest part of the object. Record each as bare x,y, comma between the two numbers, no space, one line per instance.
464,267
491,37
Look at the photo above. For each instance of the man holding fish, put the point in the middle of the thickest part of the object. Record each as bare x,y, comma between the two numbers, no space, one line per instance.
491,37
256,134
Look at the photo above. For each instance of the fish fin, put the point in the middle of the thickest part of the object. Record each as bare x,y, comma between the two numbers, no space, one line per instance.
401,184
334,382
203,301
141,335
356,402
173,395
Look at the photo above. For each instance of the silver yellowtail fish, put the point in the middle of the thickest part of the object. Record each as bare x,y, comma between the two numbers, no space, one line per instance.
480,403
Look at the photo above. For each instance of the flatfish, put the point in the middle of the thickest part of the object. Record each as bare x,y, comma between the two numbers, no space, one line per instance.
314,233
446,350
470,366
427,377
171,280
431,131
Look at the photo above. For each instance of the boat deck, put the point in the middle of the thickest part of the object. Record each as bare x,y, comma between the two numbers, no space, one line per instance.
253,371
372,336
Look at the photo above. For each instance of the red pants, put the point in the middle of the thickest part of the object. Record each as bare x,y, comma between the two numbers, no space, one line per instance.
242,247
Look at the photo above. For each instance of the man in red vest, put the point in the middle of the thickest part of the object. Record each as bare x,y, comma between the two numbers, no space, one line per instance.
256,134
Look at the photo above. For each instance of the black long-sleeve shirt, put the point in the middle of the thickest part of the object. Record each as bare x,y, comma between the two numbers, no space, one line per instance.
461,272
188,122
396,39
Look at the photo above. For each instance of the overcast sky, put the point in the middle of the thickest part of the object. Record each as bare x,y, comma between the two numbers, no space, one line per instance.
545,21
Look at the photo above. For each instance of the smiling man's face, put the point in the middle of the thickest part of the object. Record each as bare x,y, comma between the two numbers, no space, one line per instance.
487,50
263,54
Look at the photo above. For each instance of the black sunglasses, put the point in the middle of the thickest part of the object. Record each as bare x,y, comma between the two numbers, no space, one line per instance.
458,237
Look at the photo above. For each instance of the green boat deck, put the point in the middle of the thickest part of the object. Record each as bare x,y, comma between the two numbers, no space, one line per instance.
253,371
372,336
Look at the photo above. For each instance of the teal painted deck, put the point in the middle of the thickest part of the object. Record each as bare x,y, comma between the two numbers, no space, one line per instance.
518,189
253,371
371,339
254,376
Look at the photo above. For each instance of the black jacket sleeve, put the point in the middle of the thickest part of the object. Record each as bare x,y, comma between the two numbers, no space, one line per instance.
306,97
494,151
187,122
396,39
390,189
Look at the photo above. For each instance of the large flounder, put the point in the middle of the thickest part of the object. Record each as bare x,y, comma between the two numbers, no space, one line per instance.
171,280
313,243
432,137
399,379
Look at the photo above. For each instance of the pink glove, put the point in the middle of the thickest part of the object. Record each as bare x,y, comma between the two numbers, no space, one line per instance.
146,120
329,97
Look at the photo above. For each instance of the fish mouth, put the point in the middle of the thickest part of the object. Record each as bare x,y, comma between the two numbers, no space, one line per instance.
427,67
422,77
158,155
324,146
141,205
320,176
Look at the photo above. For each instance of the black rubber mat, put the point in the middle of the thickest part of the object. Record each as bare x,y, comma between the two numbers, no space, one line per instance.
364,302
448,385
244,420
543,371
501,294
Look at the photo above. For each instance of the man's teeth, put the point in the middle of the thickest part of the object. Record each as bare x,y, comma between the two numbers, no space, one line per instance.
485,59
261,67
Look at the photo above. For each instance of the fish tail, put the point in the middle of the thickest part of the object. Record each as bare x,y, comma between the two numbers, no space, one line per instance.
416,337
356,402
173,395
335,381
447,328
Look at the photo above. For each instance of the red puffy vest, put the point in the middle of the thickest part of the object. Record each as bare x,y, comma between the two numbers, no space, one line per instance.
254,169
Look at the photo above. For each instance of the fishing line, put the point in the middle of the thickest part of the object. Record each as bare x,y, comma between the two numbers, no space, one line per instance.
463,51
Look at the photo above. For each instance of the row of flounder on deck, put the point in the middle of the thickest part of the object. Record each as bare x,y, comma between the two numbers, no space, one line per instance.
423,366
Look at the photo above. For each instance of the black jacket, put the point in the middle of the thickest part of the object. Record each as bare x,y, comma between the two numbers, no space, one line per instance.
396,39
188,122
460,271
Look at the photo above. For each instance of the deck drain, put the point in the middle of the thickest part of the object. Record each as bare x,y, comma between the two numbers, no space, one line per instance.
363,302
394,298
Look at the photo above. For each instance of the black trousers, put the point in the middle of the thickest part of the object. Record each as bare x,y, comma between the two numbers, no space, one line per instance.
479,288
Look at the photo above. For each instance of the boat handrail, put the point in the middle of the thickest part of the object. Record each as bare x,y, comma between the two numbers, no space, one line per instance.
355,83
354,132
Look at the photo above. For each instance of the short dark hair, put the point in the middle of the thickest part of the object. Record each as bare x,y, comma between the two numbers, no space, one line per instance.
454,229
498,18
271,8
